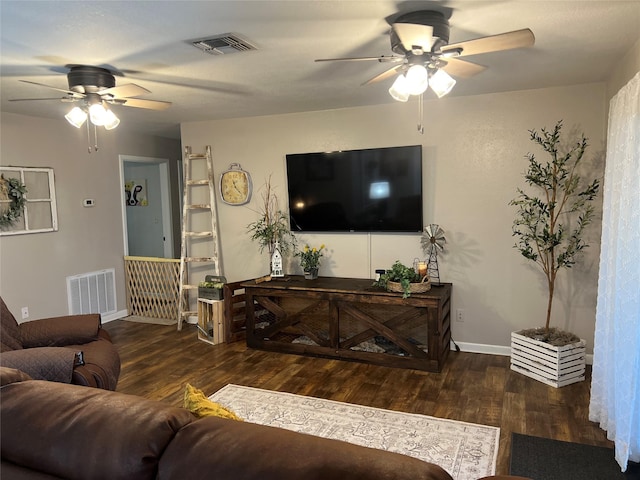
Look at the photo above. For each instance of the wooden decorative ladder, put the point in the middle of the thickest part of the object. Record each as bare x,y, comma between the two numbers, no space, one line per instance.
200,247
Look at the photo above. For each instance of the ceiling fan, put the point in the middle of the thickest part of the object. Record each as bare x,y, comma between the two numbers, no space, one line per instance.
95,88
96,85
424,57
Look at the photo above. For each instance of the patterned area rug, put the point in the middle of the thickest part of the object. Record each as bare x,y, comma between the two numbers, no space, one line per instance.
466,450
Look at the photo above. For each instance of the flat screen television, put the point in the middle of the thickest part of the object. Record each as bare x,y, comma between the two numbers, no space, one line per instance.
369,190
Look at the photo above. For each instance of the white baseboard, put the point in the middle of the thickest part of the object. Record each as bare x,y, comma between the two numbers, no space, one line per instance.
464,346
482,348
494,349
124,313
114,316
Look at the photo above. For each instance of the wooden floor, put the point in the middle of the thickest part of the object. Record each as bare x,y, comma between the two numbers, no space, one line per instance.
157,362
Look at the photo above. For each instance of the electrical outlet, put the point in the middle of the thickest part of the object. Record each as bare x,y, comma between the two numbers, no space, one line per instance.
25,312
460,315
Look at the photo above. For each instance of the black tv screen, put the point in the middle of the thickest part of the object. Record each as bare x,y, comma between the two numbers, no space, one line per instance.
370,190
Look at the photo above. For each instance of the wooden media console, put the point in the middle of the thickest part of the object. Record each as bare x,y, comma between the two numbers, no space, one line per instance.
349,319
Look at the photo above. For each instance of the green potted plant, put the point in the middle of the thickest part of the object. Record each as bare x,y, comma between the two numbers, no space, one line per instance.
401,278
272,224
310,260
551,217
211,288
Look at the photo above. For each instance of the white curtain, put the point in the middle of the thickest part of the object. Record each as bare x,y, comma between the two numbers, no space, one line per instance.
615,386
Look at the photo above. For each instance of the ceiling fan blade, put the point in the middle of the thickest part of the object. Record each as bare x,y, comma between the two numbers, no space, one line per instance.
139,103
127,90
494,43
69,92
414,35
462,68
381,59
33,99
384,75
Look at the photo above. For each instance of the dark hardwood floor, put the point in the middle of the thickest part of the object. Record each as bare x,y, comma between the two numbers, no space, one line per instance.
157,362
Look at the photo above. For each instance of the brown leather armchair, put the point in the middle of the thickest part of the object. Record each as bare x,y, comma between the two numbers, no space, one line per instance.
69,349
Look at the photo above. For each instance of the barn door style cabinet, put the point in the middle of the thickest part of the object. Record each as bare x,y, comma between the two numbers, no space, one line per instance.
349,319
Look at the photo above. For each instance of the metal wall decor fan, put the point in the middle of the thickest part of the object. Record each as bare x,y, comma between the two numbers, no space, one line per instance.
421,39
433,241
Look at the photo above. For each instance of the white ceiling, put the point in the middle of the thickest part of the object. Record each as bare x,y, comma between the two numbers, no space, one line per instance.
577,41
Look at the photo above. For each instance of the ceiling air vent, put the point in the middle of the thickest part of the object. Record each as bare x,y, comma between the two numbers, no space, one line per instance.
223,44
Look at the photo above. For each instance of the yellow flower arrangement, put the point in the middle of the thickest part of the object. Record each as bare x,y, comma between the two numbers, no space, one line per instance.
310,257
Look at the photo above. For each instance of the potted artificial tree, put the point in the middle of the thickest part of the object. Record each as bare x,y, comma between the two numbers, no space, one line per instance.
549,226
272,225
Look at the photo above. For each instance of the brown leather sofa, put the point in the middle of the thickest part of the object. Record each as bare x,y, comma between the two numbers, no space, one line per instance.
69,349
52,430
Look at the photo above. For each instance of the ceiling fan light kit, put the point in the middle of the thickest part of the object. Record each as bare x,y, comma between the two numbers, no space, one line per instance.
399,90
441,83
110,120
97,114
417,79
76,117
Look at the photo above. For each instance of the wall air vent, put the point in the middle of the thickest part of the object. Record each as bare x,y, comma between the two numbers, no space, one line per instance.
223,44
93,292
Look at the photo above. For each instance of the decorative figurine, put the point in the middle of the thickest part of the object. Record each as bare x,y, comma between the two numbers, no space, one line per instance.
276,262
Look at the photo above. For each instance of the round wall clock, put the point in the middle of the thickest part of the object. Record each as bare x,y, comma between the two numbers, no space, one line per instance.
235,185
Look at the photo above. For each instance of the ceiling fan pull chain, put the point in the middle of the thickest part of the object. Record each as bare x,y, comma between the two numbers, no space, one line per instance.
88,138
420,115
95,137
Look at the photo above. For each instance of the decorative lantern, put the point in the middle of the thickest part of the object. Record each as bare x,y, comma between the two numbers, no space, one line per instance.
276,262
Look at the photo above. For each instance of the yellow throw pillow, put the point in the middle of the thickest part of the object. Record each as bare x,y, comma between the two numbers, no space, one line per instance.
197,403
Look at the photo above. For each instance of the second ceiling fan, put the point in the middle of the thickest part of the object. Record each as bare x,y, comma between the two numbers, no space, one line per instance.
423,56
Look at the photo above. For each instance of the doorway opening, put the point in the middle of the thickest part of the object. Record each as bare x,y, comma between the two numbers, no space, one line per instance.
146,207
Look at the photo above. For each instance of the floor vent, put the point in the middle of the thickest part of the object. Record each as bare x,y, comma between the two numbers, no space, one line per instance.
223,44
93,292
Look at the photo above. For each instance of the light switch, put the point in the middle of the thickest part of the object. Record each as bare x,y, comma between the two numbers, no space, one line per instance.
88,202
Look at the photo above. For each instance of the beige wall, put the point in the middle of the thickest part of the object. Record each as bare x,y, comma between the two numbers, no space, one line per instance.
33,268
625,70
473,153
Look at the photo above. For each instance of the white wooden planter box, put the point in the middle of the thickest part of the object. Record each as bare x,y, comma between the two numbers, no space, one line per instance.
555,366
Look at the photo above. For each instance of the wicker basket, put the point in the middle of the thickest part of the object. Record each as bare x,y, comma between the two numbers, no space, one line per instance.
420,287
